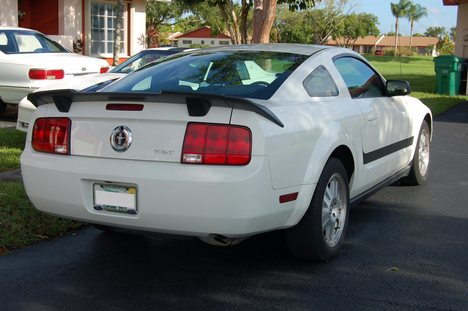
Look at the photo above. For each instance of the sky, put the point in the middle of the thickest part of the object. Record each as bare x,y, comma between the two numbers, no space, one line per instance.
438,15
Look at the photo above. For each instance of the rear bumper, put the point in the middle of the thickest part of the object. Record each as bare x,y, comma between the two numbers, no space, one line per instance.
172,198
12,95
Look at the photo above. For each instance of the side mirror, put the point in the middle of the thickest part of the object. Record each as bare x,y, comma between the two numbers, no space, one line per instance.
398,88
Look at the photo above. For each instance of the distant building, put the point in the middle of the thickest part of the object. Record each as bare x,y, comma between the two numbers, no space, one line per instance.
201,36
370,44
461,38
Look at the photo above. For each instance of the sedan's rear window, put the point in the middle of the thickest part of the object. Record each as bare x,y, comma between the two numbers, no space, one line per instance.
233,73
24,41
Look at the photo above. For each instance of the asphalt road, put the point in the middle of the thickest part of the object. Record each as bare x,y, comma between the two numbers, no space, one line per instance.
406,249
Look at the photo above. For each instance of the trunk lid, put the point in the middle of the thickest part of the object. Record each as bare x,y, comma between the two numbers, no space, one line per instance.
156,133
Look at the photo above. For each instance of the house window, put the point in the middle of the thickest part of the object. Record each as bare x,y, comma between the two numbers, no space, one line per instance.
368,48
103,22
186,41
223,42
202,42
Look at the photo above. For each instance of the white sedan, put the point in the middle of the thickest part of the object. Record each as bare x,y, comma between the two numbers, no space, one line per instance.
26,108
226,143
30,60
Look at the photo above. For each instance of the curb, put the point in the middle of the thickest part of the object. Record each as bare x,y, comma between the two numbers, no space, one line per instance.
14,175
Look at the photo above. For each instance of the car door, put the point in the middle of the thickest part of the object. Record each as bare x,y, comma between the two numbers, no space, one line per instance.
386,127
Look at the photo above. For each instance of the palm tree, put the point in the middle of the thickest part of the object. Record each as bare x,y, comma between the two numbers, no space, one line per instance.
399,10
415,12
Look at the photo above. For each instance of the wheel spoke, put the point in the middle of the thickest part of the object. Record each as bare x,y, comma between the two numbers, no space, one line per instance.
334,209
325,220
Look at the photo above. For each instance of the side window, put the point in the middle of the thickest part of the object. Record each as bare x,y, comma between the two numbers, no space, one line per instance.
320,84
360,79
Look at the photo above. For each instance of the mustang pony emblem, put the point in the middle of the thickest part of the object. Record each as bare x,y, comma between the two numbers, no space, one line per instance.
121,138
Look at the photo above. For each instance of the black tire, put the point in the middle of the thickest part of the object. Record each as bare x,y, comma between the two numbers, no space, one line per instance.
307,239
421,160
2,107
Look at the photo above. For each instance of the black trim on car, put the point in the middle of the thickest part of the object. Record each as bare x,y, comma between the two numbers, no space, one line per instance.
384,151
398,175
198,105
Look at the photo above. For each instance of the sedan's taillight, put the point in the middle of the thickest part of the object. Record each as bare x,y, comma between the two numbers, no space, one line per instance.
52,135
217,144
44,74
104,69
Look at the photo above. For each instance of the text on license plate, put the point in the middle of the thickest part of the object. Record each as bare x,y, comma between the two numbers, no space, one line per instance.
115,198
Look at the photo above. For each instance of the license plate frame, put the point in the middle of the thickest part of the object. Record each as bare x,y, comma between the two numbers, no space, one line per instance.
115,198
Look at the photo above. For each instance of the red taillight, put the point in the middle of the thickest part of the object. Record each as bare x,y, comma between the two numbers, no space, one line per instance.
52,135
43,74
217,144
104,69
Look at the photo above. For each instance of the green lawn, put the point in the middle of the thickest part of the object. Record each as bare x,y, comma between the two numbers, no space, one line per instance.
419,71
21,224
11,146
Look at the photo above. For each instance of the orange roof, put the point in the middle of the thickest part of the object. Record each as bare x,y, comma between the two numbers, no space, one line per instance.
389,41
367,40
204,32
405,41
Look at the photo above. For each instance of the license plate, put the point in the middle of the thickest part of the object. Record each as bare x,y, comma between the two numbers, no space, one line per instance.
115,198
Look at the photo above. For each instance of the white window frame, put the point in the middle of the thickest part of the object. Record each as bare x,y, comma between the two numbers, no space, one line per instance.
106,53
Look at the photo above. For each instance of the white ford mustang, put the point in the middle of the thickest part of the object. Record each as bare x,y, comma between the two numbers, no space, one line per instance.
229,142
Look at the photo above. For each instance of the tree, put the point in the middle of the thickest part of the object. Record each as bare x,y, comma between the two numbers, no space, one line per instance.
314,26
445,46
356,26
415,12
289,26
438,32
325,22
453,33
399,10
119,8
160,14
203,15
235,14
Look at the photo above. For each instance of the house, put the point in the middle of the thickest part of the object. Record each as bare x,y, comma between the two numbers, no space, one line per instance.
86,23
369,44
201,36
461,38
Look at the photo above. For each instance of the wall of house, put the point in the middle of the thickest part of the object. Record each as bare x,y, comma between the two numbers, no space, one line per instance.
461,39
9,13
138,30
187,42
70,18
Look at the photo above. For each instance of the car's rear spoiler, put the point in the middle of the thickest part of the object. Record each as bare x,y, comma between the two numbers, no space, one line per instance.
198,105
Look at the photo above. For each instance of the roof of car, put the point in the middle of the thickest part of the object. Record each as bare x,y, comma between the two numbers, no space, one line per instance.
304,49
16,28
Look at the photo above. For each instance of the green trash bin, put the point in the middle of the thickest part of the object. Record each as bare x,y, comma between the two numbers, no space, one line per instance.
448,70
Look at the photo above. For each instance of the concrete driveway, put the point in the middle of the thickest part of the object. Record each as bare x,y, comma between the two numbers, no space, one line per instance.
406,249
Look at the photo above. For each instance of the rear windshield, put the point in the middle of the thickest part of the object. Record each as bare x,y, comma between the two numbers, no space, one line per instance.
231,73
23,41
